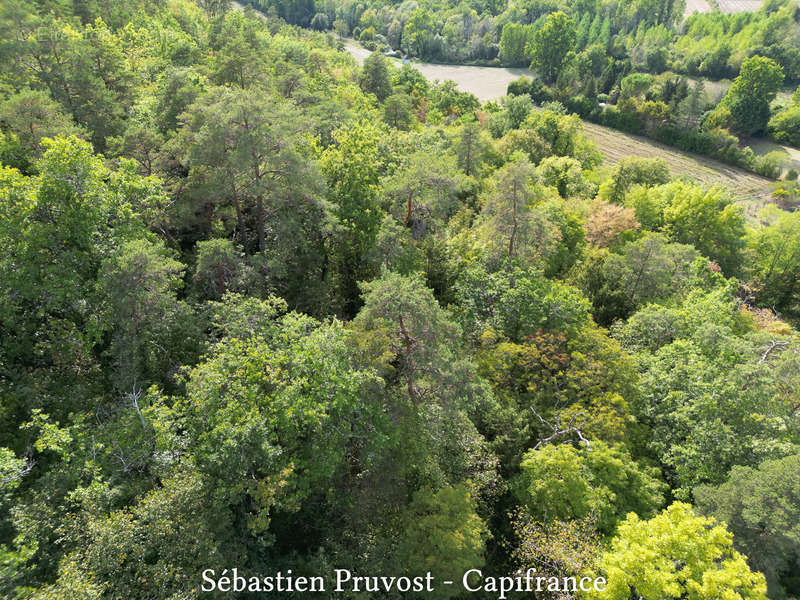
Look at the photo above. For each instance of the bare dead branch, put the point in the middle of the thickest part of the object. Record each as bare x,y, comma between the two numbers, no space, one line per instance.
772,347
560,431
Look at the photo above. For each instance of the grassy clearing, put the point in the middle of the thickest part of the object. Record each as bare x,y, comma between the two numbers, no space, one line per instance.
729,7
725,6
693,6
750,189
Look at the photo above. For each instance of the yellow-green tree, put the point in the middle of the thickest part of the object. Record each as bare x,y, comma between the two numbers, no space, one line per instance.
676,554
562,482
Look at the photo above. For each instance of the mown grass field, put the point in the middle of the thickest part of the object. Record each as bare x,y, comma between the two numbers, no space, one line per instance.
725,6
736,6
750,189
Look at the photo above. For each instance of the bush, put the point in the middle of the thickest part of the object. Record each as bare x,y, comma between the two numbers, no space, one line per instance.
519,87
770,165
784,127
539,92
624,121
583,106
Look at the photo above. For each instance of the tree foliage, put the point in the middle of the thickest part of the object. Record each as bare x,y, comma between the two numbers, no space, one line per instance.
264,308
675,554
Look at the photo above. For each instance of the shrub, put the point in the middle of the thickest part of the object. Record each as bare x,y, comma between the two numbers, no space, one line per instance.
784,127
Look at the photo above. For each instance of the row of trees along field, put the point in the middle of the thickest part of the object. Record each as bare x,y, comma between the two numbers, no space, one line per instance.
673,110
261,308
596,53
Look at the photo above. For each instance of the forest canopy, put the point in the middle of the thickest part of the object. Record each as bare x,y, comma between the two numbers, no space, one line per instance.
263,307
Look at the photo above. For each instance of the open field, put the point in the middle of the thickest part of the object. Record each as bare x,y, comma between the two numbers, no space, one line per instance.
693,6
725,6
736,6
487,83
751,190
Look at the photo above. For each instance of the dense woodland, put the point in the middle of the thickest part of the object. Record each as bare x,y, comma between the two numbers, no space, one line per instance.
263,308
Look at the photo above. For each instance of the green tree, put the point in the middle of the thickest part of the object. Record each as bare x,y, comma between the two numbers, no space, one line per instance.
320,22
87,72
635,85
152,329
548,133
691,107
676,554
431,383
517,303
396,248
511,225
707,218
760,506
218,269
716,63
710,221
397,111
351,168
514,41
556,548
57,228
160,543
273,415
424,190
517,109
73,584
142,142
752,91
633,170
709,399
33,116
246,149
773,260
471,149
784,126
176,90
418,333
374,78
216,7
418,34
560,482
564,174
651,269
551,44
